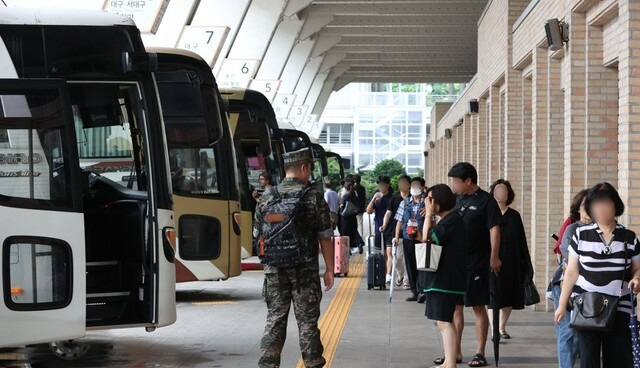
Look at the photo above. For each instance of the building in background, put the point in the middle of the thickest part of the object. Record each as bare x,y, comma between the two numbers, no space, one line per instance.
369,122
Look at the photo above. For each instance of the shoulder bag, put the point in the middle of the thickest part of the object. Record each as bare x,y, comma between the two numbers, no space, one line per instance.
594,311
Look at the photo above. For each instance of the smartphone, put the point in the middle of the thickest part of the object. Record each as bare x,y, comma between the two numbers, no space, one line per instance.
555,237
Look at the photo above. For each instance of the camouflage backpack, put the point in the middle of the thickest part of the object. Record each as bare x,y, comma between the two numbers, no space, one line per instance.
283,242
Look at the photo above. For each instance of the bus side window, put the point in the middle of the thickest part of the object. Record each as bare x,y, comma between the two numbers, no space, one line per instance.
39,271
33,150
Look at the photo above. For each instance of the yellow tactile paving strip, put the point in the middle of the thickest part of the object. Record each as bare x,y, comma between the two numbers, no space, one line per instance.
335,317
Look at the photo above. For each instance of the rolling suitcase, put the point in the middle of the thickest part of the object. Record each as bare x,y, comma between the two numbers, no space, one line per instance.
341,254
371,239
376,269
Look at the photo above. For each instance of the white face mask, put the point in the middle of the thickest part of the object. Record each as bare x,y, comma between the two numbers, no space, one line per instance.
416,192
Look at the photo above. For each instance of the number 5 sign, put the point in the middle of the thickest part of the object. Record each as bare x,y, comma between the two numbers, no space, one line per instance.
266,87
236,72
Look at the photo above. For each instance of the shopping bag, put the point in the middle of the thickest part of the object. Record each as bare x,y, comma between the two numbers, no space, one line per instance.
428,256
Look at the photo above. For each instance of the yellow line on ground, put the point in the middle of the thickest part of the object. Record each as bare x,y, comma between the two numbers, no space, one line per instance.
225,302
335,317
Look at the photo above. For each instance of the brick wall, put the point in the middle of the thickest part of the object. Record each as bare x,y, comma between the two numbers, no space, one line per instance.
553,122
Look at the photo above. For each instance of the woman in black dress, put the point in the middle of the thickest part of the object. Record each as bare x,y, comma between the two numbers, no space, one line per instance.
349,224
514,254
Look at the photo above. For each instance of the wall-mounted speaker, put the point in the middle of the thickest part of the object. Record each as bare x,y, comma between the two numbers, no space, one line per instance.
474,107
448,133
557,33
432,144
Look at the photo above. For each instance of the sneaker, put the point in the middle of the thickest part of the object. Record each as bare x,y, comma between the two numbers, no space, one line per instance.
388,279
406,287
412,298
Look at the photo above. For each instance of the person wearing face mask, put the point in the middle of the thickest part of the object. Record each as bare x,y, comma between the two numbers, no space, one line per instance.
410,217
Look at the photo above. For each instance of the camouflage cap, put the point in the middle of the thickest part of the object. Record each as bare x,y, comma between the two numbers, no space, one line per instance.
301,155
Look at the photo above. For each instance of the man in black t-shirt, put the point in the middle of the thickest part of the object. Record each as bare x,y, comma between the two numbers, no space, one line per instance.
361,201
389,224
481,216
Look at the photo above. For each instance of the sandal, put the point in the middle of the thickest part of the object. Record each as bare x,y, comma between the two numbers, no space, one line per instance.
440,361
478,361
505,335
399,282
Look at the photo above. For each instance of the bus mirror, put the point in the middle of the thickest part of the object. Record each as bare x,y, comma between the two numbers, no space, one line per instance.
139,62
265,138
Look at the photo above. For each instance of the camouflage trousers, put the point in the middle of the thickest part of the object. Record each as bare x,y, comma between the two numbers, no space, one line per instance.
279,290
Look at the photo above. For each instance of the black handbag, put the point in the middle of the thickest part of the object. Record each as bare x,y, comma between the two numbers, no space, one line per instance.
594,311
350,209
531,295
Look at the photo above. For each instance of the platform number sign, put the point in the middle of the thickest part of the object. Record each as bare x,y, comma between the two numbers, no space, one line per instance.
297,114
205,41
144,12
266,87
237,72
308,122
282,105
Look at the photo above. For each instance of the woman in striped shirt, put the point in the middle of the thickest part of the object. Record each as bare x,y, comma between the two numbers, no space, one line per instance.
604,257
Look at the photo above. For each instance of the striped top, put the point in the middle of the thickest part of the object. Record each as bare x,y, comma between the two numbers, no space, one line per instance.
600,272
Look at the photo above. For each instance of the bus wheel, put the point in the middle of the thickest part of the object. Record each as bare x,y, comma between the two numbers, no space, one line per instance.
69,349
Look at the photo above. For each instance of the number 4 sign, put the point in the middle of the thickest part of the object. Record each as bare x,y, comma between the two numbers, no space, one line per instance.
266,87
282,105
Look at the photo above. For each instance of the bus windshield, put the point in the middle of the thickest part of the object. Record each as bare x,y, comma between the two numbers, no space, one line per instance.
185,109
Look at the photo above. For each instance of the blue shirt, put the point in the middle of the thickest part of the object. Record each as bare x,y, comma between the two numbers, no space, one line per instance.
411,211
332,199
380,209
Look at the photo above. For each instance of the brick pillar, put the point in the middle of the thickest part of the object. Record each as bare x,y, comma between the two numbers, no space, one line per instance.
458,137
468,145
524,188
539,238
601,114
575,120
512,138
494,134
485,149
629,112
557,207
481,140
502,122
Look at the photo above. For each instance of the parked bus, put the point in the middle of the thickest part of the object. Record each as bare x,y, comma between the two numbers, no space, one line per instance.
259,143
85,179
203,176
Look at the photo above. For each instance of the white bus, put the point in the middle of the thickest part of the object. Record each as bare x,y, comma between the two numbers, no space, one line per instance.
85,195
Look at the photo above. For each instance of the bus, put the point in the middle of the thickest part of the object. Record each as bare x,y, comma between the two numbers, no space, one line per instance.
259,142
206,200
84,179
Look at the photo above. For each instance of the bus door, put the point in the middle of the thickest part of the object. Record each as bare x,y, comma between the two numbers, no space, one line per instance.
320,167
43,236
334,156
205,194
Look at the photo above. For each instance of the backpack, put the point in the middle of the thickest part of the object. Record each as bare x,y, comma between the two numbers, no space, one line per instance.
283,241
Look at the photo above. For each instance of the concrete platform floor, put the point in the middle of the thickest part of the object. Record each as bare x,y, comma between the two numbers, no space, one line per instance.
220,325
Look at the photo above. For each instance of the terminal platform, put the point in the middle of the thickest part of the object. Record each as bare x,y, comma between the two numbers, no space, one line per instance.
220,324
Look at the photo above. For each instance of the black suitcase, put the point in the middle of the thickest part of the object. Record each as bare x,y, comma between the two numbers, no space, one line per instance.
376,270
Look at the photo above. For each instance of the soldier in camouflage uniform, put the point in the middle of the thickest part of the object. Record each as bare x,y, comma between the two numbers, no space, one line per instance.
281,284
